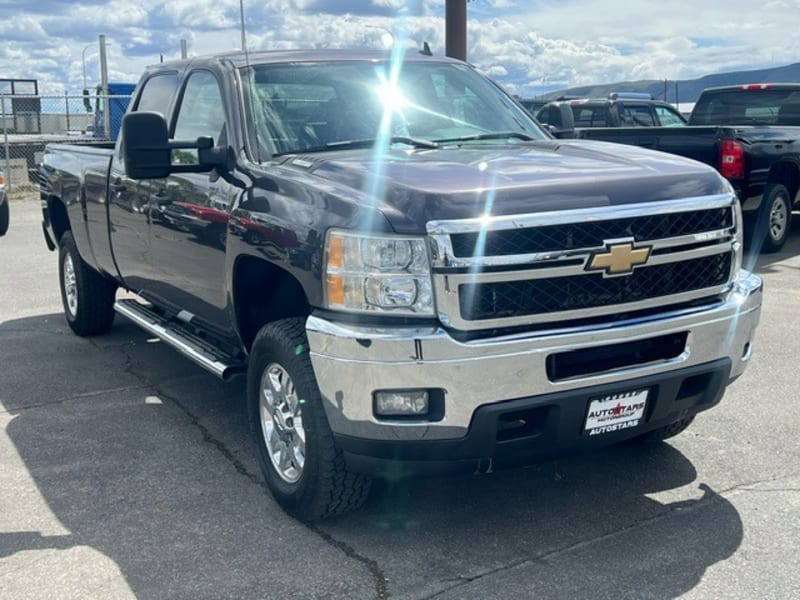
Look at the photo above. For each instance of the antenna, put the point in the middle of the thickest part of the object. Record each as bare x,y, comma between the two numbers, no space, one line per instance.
241,20
426,49
249,74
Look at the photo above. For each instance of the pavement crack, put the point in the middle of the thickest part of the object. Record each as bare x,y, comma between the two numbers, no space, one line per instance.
709,497
81,396
381,582
208,437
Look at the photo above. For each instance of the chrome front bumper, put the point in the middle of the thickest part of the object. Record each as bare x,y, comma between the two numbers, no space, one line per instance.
352,362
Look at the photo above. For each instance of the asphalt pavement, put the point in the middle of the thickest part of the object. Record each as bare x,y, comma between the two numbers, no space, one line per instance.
127,472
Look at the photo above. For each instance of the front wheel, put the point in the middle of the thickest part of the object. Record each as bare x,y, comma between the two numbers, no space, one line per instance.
302,465
87,296
774,218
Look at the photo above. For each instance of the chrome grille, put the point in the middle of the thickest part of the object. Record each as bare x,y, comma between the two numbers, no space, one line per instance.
587,235
532,269
542,296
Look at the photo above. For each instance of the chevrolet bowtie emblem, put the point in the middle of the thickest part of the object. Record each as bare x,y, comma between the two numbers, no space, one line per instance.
619,259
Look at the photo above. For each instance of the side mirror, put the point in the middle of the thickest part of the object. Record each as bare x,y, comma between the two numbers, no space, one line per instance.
148,153
561,133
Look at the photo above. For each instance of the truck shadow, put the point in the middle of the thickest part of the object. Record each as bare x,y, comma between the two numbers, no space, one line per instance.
764,263
145,458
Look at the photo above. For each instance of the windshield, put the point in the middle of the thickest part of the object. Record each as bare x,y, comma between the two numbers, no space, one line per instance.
748,107
307,107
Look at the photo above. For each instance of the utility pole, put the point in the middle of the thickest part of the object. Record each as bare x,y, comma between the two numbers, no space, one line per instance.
101,40
455,24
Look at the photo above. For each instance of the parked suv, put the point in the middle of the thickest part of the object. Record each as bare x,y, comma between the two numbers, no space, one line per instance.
618,110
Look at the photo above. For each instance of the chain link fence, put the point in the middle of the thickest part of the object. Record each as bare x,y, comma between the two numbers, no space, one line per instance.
30,122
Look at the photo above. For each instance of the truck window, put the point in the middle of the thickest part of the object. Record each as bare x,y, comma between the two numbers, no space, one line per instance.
668,117
200,113
747,107
637,114
158,92
590,116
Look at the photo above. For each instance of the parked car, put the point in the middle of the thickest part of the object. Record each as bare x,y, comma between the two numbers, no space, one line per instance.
751,134
415,278
618,110
4,211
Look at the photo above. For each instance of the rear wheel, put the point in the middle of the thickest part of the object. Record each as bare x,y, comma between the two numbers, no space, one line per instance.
773,219
302,465
87,296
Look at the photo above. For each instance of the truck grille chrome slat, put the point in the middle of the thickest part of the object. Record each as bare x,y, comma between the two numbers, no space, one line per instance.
560,294
515,271
555,238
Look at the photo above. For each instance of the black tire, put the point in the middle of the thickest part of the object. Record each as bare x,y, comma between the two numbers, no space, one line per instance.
773,220
87,296
4,217
323,486
664,433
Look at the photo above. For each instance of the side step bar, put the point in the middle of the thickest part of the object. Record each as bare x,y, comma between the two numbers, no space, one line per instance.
182,339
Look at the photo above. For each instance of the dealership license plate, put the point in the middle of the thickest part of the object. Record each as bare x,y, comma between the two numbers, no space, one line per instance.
615,412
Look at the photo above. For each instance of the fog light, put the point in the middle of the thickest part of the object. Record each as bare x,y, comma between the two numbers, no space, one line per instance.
396,403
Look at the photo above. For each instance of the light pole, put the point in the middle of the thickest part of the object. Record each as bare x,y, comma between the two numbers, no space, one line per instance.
83,61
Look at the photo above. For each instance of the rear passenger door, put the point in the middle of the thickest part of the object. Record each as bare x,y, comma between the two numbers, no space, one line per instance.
190,212
128,199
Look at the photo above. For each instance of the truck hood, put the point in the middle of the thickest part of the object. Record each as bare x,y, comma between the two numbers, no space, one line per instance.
412,187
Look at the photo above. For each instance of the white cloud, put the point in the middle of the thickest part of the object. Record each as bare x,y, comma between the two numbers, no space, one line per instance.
528,46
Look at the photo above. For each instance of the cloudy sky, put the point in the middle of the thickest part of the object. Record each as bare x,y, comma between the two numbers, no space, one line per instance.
530,46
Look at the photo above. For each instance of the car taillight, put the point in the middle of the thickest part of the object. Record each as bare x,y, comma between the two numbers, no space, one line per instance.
731,159
2,180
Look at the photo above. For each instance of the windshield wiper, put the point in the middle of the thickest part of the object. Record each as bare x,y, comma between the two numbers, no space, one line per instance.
363,143
500,135
395,139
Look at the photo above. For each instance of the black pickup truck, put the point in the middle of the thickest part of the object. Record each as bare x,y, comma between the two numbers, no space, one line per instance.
412,274
751,135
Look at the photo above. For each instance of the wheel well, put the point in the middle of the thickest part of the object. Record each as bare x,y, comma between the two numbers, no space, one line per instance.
786,174
264,293
58,217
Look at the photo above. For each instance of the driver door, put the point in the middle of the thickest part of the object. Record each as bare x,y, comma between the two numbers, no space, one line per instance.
189,212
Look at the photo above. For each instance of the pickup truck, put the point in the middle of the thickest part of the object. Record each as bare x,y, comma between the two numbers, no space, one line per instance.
749,133
412,275
620,109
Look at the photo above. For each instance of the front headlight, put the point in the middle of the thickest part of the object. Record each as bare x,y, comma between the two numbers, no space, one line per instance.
386,273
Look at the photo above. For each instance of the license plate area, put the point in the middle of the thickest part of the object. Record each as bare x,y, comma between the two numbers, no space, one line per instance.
615,412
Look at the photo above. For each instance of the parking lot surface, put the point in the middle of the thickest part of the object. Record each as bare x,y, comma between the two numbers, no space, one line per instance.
126,471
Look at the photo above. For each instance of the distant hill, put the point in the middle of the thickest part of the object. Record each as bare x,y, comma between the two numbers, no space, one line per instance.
688,89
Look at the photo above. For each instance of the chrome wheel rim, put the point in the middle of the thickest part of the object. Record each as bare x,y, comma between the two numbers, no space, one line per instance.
778,216
70,286
282,423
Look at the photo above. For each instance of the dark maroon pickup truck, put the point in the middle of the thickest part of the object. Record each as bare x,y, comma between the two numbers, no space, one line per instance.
412,274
